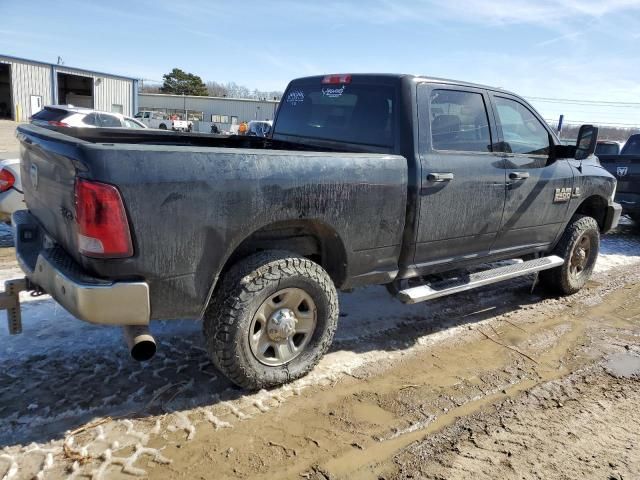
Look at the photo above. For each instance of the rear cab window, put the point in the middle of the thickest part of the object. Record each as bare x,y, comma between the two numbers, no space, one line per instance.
607,149
339,108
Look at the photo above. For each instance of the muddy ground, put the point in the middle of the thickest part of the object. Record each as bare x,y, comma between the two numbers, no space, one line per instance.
502,382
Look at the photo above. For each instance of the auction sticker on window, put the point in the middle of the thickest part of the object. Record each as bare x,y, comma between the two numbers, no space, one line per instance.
333,92
295,97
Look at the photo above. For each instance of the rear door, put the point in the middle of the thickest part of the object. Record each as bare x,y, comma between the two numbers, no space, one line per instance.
538,189
462,178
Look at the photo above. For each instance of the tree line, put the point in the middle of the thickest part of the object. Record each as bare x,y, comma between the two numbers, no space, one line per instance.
179,82
616,134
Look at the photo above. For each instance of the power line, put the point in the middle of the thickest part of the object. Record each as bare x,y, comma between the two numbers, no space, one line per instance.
591,122
585,102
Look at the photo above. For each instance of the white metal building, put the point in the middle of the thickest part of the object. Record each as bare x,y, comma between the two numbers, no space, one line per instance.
27,85
224,112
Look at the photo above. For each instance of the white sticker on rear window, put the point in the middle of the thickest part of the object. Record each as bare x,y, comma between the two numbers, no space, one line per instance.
295,97
333,92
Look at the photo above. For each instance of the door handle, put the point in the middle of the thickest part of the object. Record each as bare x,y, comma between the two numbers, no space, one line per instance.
440,177
519,175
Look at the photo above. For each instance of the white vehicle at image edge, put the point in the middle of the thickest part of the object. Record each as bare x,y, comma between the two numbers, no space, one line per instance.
11,197
163,122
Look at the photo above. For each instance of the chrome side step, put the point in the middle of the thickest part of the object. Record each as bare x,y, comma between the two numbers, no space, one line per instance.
477,279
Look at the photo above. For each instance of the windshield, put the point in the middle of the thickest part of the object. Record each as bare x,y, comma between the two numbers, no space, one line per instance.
632,146
362,114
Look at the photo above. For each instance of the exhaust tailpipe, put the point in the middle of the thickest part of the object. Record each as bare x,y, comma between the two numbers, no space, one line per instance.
141,343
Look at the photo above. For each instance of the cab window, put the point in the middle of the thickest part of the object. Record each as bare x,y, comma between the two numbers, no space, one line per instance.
109,121
128,123
91,119
459,121
522,132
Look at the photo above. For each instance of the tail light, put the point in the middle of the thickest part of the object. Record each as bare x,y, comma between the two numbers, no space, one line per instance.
6,180
55,123
336,79
103,229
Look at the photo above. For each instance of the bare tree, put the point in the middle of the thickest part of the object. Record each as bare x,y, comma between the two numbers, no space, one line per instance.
149,88
216,89
617,134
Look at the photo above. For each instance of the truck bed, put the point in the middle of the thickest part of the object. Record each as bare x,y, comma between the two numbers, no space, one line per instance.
192,199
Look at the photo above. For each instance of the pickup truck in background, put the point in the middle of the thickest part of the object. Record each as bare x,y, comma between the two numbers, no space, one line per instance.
365,179
162,121
626,168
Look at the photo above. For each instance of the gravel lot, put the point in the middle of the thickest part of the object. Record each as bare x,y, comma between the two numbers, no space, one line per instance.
8,142
400,384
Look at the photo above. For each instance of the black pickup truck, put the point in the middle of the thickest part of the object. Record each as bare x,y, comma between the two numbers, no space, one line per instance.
365,179
626,168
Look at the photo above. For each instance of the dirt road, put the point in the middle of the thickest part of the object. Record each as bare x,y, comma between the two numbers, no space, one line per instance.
498,383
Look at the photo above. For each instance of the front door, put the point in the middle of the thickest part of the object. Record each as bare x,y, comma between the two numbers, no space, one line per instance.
538,188
462,191
36,104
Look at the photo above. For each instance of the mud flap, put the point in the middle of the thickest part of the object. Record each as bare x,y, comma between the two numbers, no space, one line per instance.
10,301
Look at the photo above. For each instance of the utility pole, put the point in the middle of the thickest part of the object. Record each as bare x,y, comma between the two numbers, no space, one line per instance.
560,120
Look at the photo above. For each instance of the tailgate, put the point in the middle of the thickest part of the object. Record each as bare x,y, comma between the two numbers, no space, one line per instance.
50,161
626,169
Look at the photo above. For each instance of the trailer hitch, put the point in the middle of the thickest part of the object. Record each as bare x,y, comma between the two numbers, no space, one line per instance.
10,301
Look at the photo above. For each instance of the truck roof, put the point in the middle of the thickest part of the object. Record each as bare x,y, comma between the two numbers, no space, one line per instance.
411,77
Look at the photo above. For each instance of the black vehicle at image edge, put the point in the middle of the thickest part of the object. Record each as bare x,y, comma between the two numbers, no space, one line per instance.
626,168
366,179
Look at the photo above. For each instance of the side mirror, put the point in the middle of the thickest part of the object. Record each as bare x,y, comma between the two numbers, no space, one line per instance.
587,141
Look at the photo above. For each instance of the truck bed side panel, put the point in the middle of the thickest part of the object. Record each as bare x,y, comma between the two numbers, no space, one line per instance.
190,207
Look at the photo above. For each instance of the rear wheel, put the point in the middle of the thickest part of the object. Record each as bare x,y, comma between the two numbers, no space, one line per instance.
579,246
162,126
271,319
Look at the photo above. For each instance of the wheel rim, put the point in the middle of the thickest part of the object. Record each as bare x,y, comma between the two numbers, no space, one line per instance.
580,256
282,326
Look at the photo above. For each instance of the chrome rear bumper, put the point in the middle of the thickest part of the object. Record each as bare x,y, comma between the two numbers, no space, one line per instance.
88,298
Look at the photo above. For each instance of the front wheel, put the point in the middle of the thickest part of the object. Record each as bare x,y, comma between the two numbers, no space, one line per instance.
271,320
579,246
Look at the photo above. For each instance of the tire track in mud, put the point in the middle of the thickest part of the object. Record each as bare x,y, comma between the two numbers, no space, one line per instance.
403,404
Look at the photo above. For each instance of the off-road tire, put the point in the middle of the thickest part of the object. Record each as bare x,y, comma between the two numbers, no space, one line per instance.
244,287
560,280
162,126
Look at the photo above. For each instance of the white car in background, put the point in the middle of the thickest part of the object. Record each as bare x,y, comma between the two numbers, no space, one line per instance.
70,116
11,197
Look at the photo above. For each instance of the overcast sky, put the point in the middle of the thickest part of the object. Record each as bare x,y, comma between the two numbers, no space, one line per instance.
573,49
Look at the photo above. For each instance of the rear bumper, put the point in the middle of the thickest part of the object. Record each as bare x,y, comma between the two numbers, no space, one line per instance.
88,298
612,217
